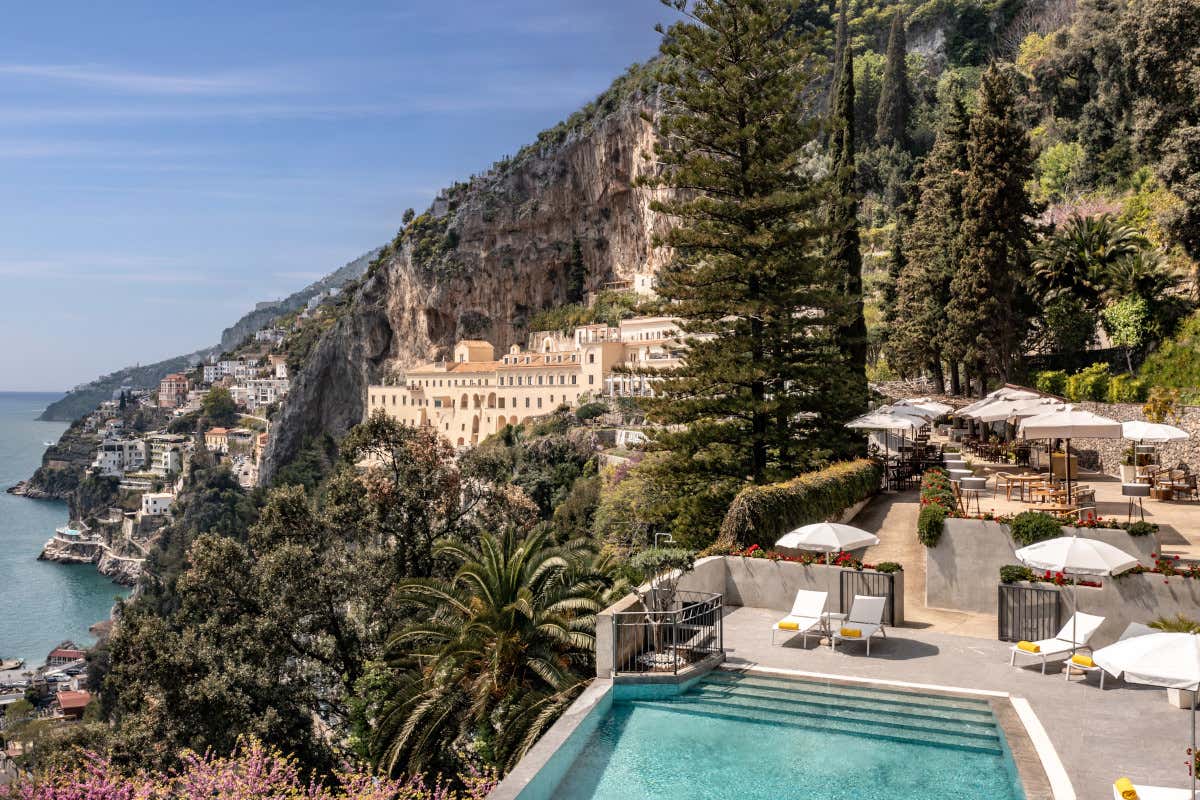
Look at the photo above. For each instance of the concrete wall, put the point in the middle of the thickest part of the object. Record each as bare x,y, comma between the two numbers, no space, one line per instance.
1133,598
762,583
961,573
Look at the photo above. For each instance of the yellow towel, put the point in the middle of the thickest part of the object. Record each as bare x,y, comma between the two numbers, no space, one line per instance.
1029,647
1124,787
1081,660
787,625
851,633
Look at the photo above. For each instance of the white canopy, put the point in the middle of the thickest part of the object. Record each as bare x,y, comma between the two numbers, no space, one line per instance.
887,418
925,404
1069,423
999,410
999,394
1073,555
827,537
1152,432
1171,660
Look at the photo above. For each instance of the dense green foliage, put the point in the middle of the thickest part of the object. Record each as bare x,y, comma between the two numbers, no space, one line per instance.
1029,527
608,308
1176,362
761,514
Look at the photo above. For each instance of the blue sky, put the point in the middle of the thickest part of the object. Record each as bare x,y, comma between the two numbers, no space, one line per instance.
166,165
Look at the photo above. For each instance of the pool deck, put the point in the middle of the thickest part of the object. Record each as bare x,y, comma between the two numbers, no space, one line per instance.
1124,730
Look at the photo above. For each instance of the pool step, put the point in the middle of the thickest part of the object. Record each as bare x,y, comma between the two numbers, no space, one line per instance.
884,697
826,723
911,718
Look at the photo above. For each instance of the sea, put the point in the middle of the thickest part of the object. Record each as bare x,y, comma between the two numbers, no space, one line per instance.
41,603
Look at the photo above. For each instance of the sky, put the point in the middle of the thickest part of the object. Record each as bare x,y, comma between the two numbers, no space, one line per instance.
164,166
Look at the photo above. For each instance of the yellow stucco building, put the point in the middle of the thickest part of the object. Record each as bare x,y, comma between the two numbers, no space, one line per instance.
476,394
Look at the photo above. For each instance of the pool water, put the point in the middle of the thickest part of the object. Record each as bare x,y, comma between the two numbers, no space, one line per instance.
752,737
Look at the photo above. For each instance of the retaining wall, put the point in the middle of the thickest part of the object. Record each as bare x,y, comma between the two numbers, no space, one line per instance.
1107,453
962,571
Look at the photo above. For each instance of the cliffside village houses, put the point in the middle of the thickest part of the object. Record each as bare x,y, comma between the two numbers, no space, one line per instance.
476,394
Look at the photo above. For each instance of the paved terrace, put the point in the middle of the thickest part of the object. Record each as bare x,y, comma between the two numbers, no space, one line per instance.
1099,735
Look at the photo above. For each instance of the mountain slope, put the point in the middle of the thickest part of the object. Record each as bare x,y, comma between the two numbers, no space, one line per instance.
85,398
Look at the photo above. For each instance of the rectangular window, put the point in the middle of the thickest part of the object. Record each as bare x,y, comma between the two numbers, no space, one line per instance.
591,379
539,402
573,380
527,402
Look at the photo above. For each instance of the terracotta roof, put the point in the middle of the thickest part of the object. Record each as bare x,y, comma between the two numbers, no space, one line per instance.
68,700
63,652
217,431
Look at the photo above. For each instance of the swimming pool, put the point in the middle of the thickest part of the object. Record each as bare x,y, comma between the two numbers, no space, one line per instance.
753,736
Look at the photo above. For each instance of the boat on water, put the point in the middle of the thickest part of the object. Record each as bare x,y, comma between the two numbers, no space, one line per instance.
11,663
49,444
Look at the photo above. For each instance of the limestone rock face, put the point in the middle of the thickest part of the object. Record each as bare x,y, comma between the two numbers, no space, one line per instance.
487,256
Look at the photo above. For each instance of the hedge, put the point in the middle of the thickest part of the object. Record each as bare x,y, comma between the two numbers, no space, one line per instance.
1029,527
761,514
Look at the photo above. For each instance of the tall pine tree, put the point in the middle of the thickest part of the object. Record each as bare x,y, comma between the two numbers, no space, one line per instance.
747,267
987,301
895,97
846,256
917,337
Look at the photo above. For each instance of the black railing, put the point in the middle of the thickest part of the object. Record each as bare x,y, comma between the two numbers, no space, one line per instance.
688,630
874,584
1027,613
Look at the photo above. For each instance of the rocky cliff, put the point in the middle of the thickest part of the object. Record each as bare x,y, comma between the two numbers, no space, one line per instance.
487,256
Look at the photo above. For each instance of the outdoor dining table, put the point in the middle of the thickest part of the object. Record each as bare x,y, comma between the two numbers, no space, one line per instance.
1024,482
1056,508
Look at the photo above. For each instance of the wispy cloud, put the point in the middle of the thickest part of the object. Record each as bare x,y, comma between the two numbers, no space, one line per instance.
139,82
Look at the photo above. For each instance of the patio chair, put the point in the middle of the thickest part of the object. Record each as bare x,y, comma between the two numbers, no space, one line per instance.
1061,646
1002,481
805,615
866,616
1131,630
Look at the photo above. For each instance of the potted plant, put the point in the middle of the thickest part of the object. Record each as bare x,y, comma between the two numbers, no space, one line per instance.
1129,466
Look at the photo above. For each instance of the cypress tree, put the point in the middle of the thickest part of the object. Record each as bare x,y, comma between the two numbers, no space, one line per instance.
986,306
931,248
846,256
746,243
895,97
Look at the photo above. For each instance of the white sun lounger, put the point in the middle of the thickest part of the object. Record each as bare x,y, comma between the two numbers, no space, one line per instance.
1158,793
1134,629
806,614
1061,646
866,614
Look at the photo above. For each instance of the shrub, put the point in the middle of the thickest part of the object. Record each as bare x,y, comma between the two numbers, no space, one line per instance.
1177,624
590,411
1033,526
1051,381
1127,389
1141,528
1015,573
930,523
761,514
1089,384
888,567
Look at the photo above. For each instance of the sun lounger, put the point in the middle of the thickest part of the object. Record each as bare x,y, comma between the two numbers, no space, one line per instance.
866,617
1061,646
1157,793
805,616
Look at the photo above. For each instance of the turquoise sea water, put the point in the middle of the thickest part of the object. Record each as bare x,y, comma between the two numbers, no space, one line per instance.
769,739
41,603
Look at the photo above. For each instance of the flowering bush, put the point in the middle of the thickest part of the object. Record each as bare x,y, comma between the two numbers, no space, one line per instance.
254,772
841,559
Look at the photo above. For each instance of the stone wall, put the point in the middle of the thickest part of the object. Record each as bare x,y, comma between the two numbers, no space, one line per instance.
1106,454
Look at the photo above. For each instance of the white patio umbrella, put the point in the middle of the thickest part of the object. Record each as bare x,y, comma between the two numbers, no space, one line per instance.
1020,408
1075,556
1170,660
887,418
1139,431
828,538
999,394
1067,423
925,404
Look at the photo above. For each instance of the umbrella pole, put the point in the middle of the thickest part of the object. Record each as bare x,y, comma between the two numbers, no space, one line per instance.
1074,610
1192,763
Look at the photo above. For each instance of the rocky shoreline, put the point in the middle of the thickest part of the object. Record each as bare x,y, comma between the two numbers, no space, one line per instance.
25,489
121,569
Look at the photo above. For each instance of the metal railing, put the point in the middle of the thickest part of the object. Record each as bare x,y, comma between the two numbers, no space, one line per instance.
665,641
873,584
1027,613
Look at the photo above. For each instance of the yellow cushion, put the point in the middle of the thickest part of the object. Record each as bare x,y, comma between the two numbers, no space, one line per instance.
851,633
1082,660
788,625
1029,647
1124,787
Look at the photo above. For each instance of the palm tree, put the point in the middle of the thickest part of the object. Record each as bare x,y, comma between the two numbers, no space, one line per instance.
500,650
1143,274
1076,258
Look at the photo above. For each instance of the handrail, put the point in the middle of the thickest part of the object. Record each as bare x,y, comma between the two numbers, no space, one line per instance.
664,640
